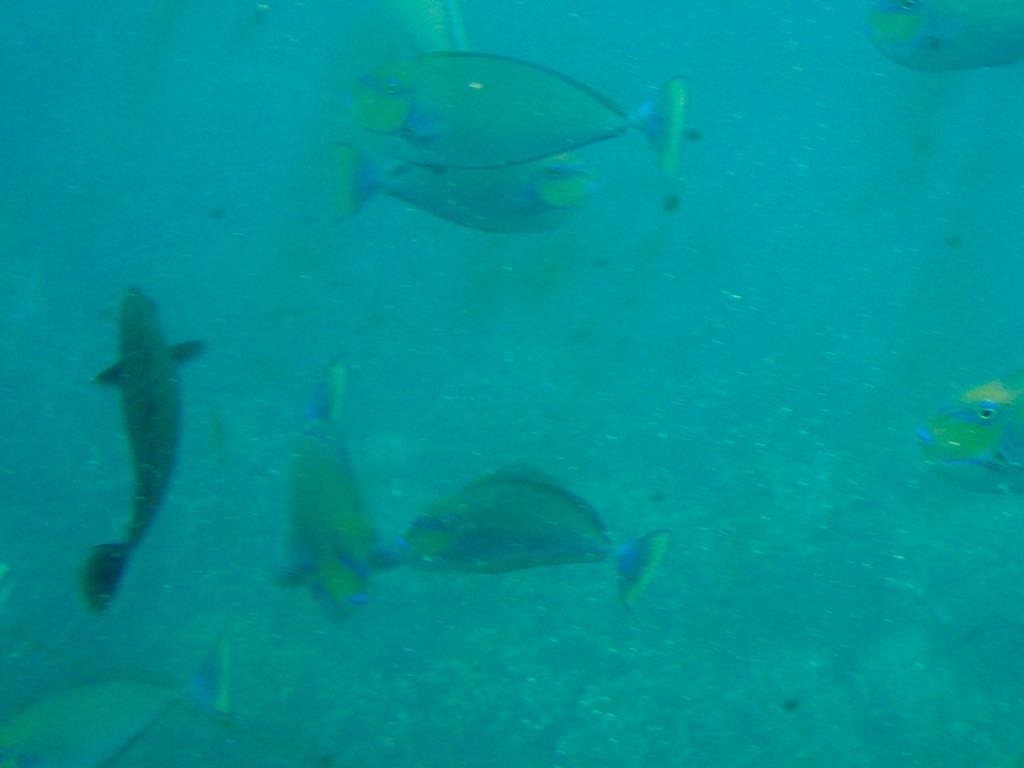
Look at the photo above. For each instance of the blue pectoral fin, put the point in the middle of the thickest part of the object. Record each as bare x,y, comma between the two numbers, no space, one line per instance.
210,688
638,562
663,121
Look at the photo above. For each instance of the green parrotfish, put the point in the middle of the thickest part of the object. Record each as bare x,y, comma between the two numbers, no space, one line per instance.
457,109
147,377
331,536
984,427
517,518
92,725
948,34
530,197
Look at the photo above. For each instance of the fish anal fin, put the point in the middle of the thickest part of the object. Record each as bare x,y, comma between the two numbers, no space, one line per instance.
110,377
187,350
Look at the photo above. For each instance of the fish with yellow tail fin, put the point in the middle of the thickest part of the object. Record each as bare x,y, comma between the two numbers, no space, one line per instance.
331,537
147,376
518,518
92,725
948,34
530,197
457,109
981,435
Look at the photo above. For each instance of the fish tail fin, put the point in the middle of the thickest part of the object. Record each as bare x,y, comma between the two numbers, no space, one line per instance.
355,178
101,573
337,387
210,687
454,25
637,563
329,402
663,121
430,25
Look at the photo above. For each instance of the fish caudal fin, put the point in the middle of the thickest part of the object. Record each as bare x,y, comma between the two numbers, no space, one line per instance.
454,25
355,179
663,121
337,386
328,405
638,561
210,688
101,573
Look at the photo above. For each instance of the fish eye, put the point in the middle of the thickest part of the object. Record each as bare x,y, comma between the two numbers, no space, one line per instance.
986,410
393,86
908,5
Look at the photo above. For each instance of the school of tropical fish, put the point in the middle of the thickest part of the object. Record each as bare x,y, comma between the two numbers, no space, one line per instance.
494,144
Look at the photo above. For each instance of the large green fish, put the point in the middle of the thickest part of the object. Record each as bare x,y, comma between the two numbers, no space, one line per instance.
984,428
529,197
147,376
92,725
519,518
476,110
948,34
331,537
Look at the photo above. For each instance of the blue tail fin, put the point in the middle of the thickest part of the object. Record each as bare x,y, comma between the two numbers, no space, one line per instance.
638,561
210,687
663,121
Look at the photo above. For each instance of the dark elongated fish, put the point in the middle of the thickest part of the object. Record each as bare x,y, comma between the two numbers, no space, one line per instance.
147,377
517,518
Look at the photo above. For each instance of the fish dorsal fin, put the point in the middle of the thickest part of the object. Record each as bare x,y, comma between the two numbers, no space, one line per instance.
187,350
527,474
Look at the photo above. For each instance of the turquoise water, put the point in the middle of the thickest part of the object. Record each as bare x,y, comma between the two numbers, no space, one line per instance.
747,371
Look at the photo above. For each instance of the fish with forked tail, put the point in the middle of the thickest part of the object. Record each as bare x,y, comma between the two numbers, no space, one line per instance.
458,109
147,376
517,518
